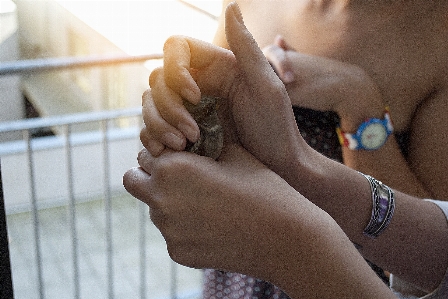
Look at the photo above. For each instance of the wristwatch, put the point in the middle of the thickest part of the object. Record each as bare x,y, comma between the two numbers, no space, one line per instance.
371,134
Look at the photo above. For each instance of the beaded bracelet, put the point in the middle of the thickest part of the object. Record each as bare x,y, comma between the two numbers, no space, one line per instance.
383,207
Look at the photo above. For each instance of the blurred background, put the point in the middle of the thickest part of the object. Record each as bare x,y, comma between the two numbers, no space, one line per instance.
71,78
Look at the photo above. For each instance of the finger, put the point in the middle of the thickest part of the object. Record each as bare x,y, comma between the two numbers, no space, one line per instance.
193,67
286,73
247,53
177,64
264,95
281,42
169,128
170,106
145,160
277,57
136,182
148,162
267,92
153,146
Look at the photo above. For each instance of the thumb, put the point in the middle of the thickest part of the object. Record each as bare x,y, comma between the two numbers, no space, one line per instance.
249,56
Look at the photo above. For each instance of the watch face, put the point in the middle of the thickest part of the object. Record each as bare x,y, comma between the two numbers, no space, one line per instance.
373,136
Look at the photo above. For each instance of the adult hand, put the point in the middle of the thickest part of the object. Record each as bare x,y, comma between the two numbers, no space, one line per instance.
211,213
258,103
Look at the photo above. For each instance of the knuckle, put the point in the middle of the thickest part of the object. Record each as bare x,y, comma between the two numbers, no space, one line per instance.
143,156
155,75
172,41
144,136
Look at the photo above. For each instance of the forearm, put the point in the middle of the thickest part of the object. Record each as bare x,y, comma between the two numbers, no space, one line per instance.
350,92
417,235
331,269
320,261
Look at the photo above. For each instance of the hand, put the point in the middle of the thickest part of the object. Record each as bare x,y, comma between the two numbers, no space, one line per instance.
259,106
211,213
237,215
325,84
276,55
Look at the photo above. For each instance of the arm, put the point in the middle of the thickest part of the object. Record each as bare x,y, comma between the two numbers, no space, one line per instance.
417,235
399,247
325,84
359,100
428,157
254,92
302,248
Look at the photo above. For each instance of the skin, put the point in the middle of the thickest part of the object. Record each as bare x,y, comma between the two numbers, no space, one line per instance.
200,206
198,203
356,57
398,45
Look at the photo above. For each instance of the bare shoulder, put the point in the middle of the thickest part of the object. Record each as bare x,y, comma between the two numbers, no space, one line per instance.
429,142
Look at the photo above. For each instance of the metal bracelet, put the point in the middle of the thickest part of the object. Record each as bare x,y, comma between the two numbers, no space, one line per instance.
383,208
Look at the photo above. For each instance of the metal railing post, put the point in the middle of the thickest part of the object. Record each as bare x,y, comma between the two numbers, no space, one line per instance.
143,215
108,210
72,214
35,215
173,281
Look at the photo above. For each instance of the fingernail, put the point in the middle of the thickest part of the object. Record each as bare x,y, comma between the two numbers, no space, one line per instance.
191,133
189,94
173,141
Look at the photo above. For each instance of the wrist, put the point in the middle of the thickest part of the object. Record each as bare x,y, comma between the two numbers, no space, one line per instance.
346,196
371,134
350,121
364,101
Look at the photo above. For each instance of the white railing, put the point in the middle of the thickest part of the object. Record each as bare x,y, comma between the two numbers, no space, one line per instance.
71,169
45,172
83,161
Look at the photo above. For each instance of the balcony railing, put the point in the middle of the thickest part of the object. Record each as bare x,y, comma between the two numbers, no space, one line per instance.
74,232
